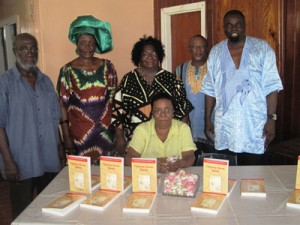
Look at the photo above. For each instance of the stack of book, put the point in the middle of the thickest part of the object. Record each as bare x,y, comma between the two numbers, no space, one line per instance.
80,184
113,184
216,186
144,186
254,187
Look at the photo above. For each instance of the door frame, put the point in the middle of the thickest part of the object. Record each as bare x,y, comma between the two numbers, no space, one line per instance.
8,40
166,38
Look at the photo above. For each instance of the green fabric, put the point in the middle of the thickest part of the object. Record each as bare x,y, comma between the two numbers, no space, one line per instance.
90,25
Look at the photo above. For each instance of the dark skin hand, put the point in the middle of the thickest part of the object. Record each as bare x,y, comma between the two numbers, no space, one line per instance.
120,142
11,168
12,172
269,128
209,127
269,132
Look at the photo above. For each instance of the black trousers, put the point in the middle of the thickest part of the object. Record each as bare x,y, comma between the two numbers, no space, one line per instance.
243,159
23,192
202,147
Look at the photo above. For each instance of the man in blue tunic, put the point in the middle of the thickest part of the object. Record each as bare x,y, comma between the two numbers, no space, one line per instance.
241,86
29,117
192,73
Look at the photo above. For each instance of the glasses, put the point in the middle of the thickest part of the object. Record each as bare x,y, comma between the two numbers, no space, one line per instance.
147,54
160,112
26,50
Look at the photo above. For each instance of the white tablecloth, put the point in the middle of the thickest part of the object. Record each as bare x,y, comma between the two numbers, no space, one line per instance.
237,210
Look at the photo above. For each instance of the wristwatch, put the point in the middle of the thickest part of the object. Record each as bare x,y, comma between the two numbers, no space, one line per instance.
272,116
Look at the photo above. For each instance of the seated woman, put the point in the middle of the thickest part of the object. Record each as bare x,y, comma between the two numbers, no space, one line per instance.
163,138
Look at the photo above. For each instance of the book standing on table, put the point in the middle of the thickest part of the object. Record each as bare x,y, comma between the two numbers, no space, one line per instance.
112,184
79,169
216,186
144,185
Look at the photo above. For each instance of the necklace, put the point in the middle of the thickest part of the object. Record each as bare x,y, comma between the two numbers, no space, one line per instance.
194,80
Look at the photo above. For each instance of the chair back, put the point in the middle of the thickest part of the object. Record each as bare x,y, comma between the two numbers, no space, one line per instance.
231,158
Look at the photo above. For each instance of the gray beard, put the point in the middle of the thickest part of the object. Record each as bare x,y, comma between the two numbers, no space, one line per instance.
26,67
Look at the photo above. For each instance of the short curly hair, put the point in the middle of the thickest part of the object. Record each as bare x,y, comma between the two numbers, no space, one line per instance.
138,48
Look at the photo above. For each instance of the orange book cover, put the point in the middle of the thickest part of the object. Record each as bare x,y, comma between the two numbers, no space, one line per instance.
144,185
79,174
100,200
294,199
144,175
253,187
215,176
139,202
297,186
208,203
112,173
64,204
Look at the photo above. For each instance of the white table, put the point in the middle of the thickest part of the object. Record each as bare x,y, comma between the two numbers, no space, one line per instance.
237,210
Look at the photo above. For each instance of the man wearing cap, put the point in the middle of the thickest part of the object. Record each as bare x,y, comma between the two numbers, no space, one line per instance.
86,87
29,116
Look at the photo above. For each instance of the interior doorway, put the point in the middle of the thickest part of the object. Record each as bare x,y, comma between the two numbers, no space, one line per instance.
178,24
8,31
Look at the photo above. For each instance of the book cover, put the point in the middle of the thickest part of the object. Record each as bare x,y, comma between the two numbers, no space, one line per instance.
95,180
79,174
208,203
100,200
139,202
112,173
215,176
144,175
144,185
294,199
253,187
64,204
297,186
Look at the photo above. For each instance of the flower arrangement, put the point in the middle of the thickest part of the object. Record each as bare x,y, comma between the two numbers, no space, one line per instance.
180,184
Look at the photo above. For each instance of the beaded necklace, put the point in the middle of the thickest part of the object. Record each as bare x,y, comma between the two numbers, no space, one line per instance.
195,78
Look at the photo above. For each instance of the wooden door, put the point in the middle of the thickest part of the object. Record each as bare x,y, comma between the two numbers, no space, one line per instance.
183,26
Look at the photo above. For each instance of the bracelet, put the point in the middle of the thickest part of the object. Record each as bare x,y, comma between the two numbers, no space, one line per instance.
63,121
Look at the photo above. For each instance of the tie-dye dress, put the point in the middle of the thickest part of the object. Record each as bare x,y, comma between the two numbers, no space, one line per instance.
88,96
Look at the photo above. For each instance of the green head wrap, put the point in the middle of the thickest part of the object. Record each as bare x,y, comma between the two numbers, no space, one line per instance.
90,25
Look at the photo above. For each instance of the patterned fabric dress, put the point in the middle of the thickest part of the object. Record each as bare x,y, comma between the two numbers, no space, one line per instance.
88,96
132,102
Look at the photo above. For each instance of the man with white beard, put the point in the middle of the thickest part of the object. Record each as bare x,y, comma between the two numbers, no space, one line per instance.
241,85
29,117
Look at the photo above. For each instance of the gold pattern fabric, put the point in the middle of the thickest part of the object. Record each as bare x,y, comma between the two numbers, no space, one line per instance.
195,83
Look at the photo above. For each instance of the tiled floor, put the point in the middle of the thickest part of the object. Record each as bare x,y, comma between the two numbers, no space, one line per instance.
5,211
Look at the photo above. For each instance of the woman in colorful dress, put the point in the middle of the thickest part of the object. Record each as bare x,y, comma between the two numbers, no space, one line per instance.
86,87
132,102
